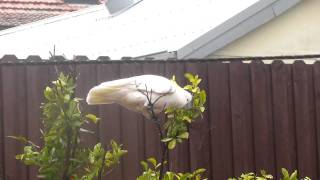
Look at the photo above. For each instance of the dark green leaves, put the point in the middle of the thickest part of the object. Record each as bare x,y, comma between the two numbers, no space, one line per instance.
294,176
92,118
100,160
184,135
172,144
178,120
176,128
151,172
265,176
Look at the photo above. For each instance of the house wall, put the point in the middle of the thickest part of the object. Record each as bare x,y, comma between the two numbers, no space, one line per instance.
295,32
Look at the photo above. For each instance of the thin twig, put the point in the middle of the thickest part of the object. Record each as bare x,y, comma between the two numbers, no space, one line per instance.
154,117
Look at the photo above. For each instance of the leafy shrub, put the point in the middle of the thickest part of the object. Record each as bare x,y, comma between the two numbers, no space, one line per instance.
174,131
152,173
62,157
265,176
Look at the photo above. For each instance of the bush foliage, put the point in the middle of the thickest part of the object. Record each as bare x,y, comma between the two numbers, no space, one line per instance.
63,156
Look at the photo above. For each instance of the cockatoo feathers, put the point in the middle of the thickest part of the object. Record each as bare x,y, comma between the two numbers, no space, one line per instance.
132,94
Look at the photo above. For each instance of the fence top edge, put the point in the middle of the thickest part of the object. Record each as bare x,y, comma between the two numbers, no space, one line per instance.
13,60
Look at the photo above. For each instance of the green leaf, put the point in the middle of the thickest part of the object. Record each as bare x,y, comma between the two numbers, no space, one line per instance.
198,81
22,139
294,175
66,98
92,118
203,96
184,135
189,76
48,93
153,161
172,144
285,173
166,139
199,171
144,165
188,87
187,118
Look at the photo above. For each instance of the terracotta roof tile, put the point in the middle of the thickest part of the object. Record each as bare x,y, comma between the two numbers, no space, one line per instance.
33,1
17,12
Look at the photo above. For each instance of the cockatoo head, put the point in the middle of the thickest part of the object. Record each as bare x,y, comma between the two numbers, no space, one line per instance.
189,100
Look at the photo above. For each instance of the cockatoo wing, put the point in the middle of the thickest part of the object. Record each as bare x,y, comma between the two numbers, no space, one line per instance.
157,84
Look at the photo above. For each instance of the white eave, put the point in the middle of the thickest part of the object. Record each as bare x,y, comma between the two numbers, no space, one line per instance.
182,28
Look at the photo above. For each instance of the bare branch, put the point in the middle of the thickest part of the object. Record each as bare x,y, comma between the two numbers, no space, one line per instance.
155,118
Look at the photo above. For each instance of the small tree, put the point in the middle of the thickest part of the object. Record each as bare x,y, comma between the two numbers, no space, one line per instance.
174,129
62,156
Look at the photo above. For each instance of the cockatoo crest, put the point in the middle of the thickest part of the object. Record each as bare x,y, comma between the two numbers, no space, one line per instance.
133,93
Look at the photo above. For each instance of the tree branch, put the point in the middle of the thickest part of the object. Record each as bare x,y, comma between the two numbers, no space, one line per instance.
155,119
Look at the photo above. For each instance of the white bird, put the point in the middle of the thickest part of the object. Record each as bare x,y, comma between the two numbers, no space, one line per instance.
133,93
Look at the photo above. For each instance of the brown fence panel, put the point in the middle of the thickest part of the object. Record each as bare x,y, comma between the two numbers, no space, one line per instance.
2,153
284,125
258,116
132,134
219,110
86,79
109,125
152,138
316,79
200,148
15,119
243,152
305,120
262,117
179,157
37,78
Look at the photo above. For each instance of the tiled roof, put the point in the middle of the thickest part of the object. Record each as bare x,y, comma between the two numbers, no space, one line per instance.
17,12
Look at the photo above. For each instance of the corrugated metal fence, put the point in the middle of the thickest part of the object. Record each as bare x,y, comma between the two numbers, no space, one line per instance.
259,116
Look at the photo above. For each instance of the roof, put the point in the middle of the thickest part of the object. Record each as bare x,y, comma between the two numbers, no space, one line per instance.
17,12
166,28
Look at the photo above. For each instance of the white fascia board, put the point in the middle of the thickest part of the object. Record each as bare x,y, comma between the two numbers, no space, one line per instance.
236,27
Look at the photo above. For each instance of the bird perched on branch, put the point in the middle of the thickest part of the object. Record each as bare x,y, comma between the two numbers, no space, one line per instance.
145,94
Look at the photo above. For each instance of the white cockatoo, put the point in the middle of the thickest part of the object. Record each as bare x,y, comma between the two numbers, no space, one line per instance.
133,94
